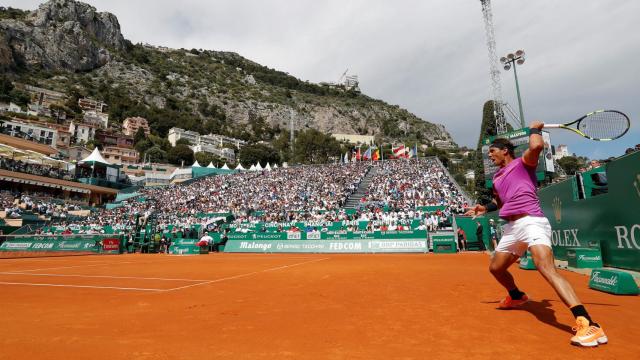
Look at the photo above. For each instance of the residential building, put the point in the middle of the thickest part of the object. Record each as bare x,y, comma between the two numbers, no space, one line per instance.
43,97
355,139
78,152
195,138
176,134
112,138
82,132
443,144
88,104
225,153
561,151
31,131
119,156
96,118
131,125
15,108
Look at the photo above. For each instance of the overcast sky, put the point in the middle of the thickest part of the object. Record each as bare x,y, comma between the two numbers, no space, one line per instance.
429,57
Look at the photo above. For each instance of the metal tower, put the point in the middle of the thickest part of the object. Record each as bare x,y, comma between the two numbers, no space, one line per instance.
494,73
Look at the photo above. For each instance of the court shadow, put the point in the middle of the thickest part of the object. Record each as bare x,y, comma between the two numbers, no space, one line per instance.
543,312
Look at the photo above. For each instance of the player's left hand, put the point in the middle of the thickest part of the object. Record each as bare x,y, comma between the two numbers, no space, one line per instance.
476,210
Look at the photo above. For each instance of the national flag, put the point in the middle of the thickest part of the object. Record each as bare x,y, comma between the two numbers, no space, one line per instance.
367,154
399,152
376,155
346,157
358,155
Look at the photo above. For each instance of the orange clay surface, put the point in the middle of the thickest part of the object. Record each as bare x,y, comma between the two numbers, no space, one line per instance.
292,306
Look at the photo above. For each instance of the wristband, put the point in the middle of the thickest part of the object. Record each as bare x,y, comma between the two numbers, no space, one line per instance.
491,207
535,131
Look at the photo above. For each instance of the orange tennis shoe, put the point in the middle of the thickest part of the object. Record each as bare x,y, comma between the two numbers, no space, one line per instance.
509,303
587,335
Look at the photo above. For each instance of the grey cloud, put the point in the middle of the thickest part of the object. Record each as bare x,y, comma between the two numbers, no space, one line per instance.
426,56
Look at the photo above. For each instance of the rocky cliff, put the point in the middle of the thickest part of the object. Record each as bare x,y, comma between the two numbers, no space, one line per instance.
60,35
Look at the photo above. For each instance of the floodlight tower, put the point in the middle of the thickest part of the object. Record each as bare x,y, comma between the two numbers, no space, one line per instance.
494,73
507,62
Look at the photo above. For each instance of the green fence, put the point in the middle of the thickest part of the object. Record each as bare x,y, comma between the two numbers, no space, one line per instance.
329,235
609,220
323,246
64,243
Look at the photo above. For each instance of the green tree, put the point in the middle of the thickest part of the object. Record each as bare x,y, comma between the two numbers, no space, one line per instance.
571,164
204,158
183,141
156,154
139,136
251,154
180,153
313,147
487,128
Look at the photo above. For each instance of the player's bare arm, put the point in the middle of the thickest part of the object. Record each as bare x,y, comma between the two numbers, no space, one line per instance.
536,144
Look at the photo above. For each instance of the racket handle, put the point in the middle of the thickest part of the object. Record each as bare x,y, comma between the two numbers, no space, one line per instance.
552,126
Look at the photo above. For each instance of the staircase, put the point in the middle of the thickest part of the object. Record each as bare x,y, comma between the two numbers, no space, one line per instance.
354,199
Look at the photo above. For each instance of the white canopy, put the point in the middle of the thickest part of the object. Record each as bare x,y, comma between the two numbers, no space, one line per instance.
196,164
252,168
268,167
275,166
95,156
239,167
224,167
258,166
211,166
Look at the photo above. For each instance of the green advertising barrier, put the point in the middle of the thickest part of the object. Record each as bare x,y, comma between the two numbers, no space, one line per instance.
329,235
327,246
469,226
609,220
584,258
318,225
61,243
613,281
444,244
182,246
526,263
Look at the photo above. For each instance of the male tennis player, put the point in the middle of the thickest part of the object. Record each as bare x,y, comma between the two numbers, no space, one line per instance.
527,228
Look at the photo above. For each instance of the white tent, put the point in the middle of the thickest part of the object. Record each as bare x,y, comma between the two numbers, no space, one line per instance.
95,156
258,166
224,167
239,167
268,167
252,168
196,164
211,166
275,166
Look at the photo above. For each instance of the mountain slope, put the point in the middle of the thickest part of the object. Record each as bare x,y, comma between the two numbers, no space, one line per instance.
68,46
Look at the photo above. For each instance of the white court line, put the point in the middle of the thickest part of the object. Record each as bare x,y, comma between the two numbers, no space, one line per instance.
82,286
245,275
76,266
101,276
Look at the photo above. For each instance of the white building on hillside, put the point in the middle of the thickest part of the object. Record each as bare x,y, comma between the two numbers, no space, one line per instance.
561,151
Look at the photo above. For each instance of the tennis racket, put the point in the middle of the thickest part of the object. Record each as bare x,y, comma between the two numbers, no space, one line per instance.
600,125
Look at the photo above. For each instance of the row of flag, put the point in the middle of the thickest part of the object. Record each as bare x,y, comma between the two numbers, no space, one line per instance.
373,153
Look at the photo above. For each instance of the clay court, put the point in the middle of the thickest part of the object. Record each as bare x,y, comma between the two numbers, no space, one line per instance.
285,306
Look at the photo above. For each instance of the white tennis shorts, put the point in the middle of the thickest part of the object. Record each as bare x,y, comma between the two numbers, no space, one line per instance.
519,235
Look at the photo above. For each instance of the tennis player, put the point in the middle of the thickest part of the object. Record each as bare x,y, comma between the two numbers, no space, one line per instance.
527,228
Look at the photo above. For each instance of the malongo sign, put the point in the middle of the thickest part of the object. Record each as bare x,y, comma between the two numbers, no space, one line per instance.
328,246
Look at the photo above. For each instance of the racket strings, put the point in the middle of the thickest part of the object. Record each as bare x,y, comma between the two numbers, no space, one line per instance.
604,125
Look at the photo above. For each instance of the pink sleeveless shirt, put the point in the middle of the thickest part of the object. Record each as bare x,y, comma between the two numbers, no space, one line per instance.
516,187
